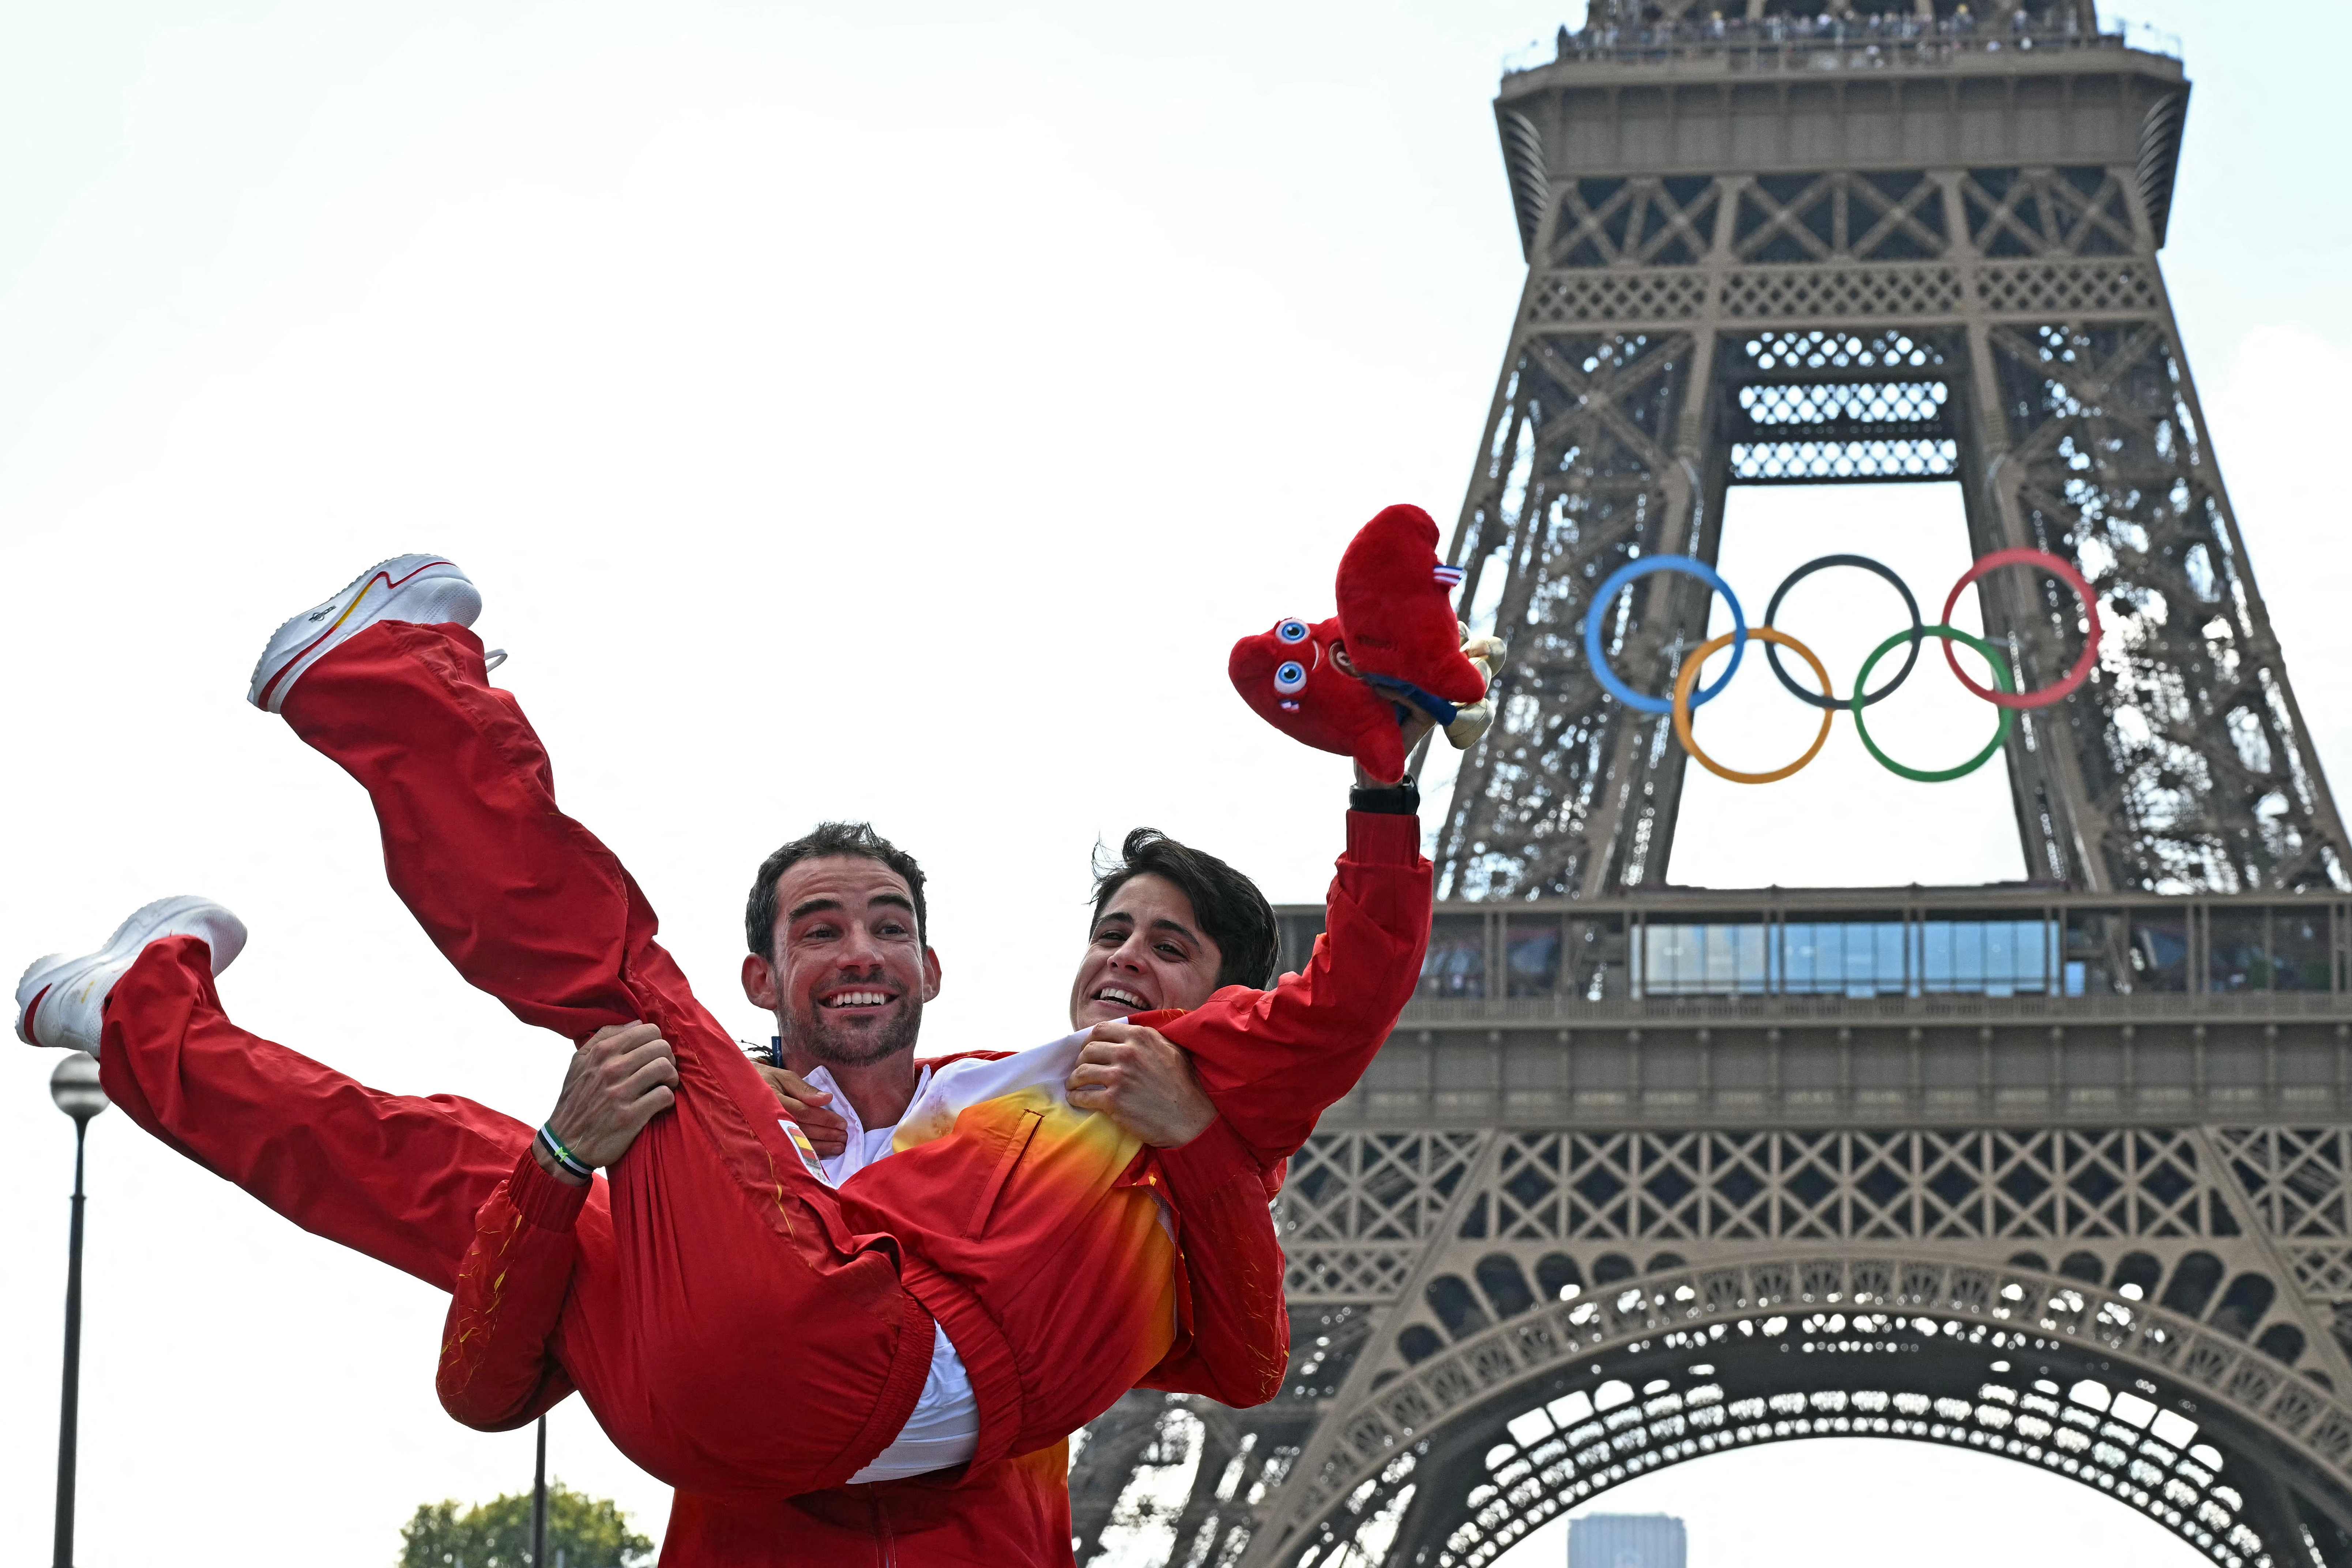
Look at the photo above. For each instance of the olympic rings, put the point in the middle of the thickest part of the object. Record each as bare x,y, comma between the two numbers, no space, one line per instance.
2008,697
2000,673
1629,572
1826,699
1689,677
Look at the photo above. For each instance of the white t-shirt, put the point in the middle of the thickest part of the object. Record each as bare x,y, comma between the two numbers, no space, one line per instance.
865,1145
944,1429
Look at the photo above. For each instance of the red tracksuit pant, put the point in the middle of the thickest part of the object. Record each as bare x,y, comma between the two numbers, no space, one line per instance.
737,1337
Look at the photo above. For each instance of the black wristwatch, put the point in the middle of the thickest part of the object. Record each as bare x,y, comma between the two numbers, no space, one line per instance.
1402,798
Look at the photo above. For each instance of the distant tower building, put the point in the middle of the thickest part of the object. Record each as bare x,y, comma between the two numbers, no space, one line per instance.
2059,1171
1625,1541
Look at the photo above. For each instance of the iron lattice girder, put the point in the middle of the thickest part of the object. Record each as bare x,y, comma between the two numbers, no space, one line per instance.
2014,232
2184,765
2152,1260
2143,1190
1809,409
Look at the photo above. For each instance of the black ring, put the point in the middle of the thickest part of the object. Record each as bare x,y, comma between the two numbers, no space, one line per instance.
1822,699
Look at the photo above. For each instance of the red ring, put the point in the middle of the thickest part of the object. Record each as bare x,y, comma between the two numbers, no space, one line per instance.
2065,574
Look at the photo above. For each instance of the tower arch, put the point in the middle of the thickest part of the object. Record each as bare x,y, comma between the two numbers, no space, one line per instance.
1525,1419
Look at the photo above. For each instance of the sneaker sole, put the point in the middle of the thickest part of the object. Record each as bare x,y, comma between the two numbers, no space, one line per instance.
369,597
136,931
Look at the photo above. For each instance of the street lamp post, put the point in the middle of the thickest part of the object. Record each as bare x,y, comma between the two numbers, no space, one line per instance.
74,1085
538,1503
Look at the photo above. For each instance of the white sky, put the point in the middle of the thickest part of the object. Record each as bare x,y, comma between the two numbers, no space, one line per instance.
845,411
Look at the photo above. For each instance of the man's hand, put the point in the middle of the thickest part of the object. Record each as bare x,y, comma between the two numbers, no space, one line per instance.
1135,1077
828,1132
621,1078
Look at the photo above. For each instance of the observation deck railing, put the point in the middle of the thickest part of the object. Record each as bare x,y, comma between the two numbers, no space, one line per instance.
1778,46
1890,955
1949,1007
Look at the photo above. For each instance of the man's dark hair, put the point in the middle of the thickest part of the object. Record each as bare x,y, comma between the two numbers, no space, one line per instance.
1233,913
826,838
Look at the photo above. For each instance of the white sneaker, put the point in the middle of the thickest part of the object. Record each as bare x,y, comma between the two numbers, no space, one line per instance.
60,999
421,588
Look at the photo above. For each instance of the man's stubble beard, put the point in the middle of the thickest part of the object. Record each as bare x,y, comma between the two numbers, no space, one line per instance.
815,1036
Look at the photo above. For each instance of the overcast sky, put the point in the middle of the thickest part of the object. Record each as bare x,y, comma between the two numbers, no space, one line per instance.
845,410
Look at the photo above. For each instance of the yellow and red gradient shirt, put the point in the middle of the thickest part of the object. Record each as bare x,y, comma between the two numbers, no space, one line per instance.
1040,1253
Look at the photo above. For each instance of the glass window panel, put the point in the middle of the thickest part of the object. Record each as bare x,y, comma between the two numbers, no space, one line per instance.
1937,969
1597,957
1748,968
2098,943
1531,955
1829,958
2032,948
1800,955
1722,966
1659,949
1984,957
1456,964
1852,951
2299,955
1999,957
2238,958
2160,950
1967,955
1697,959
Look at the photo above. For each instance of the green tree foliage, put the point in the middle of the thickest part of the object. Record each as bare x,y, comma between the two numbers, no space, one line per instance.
591,1533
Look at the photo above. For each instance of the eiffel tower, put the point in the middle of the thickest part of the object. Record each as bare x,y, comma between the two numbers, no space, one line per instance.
2058,1171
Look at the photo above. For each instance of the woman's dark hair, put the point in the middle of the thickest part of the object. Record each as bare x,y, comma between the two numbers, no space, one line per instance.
1233,913
856,838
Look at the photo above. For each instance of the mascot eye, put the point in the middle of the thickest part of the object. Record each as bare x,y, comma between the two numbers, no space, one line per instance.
1291,631
1291,679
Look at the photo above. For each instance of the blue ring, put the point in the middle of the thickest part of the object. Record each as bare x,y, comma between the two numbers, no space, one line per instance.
1615,582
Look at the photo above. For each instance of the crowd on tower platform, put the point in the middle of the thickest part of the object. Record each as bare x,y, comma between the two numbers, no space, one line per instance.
1604,35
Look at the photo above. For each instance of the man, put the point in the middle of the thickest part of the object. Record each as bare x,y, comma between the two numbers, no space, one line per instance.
530,908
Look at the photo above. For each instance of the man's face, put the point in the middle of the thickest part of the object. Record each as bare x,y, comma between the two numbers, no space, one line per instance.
849,975
1147,951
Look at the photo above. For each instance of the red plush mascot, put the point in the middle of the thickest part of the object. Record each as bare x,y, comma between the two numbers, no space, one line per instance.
1344,684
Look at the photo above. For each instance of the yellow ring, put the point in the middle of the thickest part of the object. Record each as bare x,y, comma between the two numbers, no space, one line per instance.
1689,677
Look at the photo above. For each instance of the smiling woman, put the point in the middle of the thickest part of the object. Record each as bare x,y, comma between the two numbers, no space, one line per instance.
1171,925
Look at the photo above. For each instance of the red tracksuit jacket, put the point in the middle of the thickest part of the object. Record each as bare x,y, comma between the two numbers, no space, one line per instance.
1270,1061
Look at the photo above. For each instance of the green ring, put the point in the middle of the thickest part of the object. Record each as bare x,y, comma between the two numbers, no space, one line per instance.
1939,775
